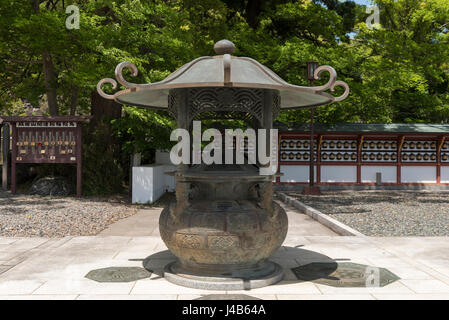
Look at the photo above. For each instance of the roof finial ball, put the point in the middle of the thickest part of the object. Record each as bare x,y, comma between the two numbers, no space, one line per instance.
224,46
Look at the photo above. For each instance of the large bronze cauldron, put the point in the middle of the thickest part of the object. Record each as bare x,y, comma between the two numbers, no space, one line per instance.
223,225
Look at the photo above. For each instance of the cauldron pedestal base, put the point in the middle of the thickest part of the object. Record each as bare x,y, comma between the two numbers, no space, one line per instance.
266,275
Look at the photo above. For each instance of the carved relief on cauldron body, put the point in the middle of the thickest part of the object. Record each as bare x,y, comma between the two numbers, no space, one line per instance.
222,232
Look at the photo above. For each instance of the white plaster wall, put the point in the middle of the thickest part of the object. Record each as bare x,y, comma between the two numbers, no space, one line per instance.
444,174
296,173
368,173
150,182
418,174
338,173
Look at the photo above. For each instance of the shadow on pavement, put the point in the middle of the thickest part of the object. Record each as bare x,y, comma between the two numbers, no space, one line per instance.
156,262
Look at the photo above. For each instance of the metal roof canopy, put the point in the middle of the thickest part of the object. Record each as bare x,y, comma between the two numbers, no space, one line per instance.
222,70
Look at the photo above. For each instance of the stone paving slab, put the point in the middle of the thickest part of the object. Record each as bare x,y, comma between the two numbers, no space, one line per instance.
18,287
40,268
431,296
83,286
58,270
144,223
365,296
39,297
426,285
128,297
4,240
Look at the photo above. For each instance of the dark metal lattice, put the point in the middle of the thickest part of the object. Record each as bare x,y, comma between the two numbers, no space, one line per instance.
276,105
174,99
222,103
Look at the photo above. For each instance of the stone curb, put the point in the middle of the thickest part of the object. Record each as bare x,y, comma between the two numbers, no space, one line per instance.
322,218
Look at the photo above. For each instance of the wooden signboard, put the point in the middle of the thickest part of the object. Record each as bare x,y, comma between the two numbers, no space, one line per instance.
37,139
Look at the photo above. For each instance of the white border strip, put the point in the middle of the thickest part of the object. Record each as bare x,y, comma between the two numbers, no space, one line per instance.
322,218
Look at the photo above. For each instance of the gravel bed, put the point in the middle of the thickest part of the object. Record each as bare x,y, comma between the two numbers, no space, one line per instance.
385,213
38,216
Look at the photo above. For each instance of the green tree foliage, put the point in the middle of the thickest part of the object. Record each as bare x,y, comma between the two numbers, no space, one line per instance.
144,131
397,72
404,65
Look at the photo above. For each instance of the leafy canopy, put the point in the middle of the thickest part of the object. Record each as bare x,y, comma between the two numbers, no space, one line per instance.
397,72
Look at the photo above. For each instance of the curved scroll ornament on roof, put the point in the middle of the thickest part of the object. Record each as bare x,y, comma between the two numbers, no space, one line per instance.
332,83
120,79
134,72
277,82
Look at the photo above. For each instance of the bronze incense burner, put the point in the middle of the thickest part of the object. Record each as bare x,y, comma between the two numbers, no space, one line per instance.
224,225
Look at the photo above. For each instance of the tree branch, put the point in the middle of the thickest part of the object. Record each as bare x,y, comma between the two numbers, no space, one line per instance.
23,61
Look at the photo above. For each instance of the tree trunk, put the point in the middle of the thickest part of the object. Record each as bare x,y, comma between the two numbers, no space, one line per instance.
74,100
253,8
49,72
103,111
49,76
101,107
35,5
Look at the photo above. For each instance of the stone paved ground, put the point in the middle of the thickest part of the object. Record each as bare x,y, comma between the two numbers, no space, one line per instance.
386,213
55,268
43,268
